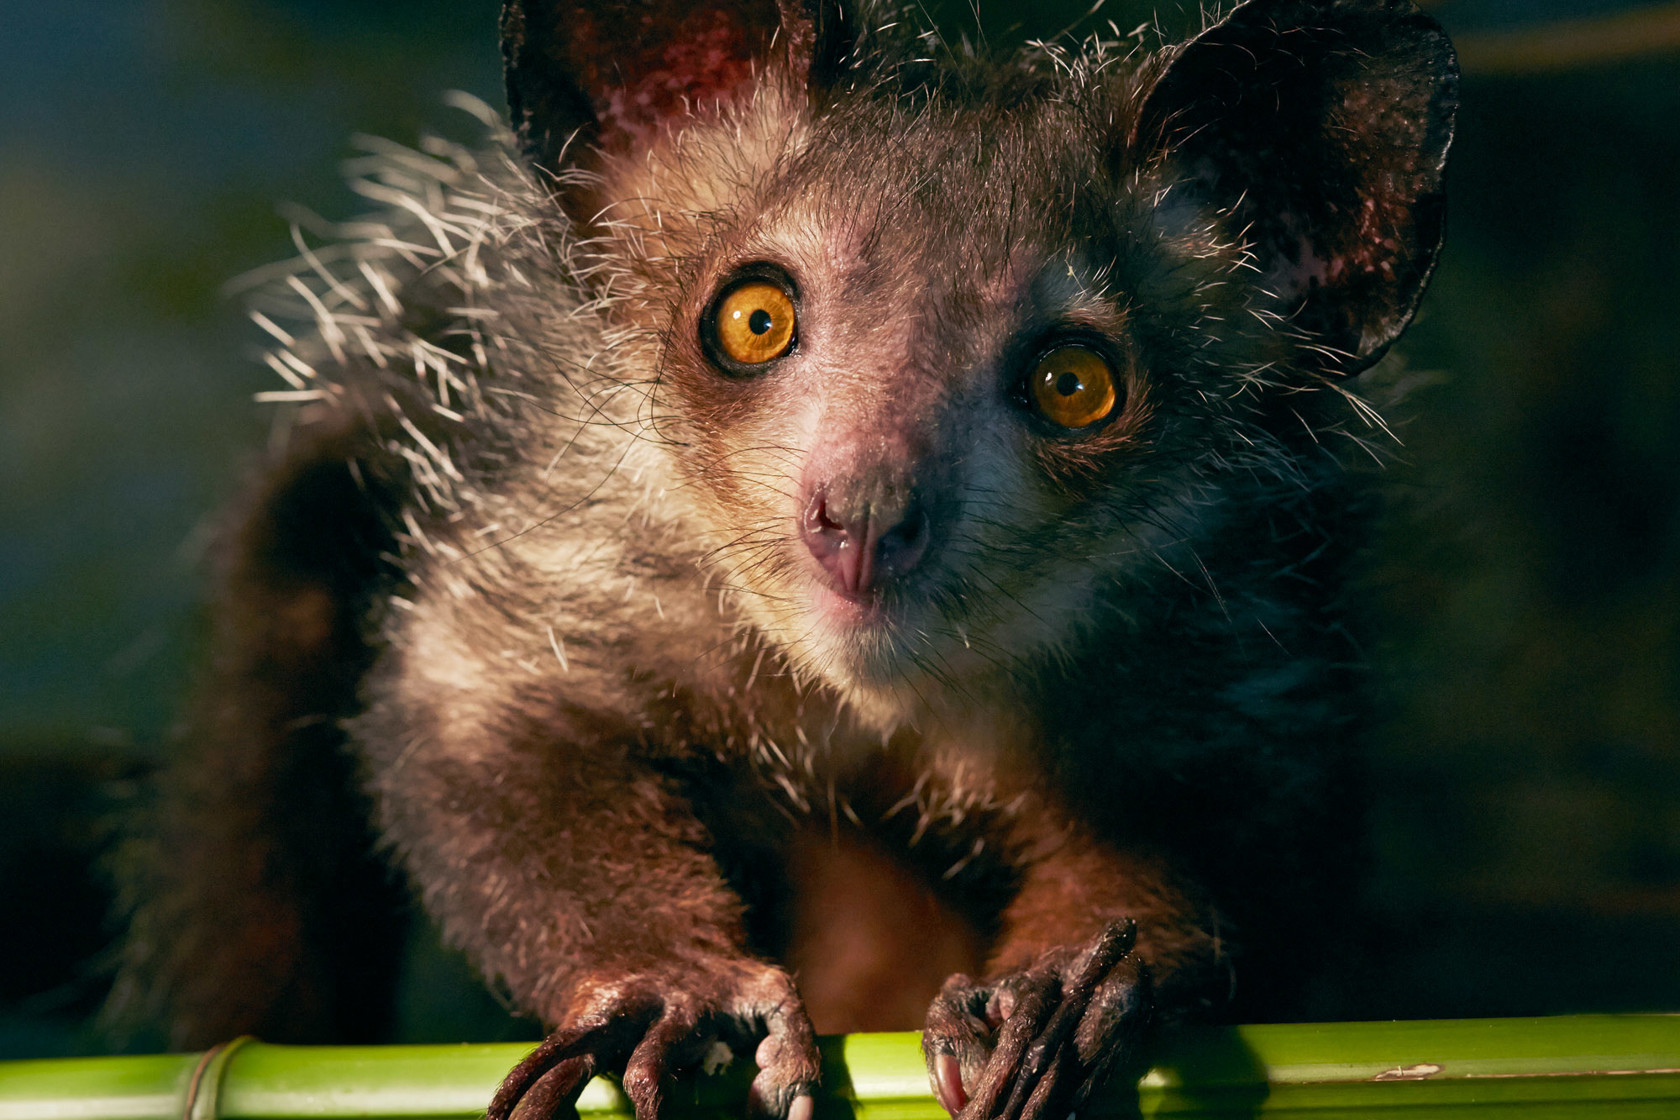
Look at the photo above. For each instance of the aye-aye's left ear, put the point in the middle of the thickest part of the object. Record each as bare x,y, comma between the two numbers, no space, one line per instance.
610,74
1322,128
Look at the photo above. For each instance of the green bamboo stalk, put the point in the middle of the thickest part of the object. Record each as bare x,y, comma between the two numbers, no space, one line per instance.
1612,1066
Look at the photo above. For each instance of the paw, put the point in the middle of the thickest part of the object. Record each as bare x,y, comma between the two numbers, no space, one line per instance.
654,1027
1033,1044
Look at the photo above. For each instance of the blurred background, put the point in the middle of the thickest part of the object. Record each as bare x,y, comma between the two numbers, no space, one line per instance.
1527,578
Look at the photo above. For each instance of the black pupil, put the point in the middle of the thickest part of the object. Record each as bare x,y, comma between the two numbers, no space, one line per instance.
759,321
1067,383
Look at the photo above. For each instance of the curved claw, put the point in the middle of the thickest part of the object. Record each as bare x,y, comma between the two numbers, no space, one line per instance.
1032,1044
652,1028
670,1043
554,1090
549,1077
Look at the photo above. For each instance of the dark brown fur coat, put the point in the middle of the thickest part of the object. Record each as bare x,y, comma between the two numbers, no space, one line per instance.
712,699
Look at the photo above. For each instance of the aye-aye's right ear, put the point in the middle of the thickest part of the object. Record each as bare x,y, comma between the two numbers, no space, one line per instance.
609,75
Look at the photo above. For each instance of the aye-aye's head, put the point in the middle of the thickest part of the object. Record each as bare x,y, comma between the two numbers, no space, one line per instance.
951,357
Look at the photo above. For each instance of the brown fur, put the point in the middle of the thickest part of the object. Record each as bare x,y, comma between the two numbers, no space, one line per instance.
870,942
665,780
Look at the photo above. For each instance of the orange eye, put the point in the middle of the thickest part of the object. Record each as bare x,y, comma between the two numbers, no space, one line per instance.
1073,387
754,323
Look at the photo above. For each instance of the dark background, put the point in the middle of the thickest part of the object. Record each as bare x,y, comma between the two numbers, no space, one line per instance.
1527,579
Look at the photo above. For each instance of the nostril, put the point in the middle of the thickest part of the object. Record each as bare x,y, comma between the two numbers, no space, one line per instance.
832,546
820,522
863,549
824,522
900,548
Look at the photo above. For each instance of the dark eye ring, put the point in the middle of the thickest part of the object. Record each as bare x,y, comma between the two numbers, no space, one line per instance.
750,323
1074,387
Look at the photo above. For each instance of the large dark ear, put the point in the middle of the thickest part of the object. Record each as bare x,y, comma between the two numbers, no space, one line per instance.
612,72
1322,127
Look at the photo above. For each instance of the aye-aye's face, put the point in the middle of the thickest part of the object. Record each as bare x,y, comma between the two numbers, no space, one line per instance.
919,377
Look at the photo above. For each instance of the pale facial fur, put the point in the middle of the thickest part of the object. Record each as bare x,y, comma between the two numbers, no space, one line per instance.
909,360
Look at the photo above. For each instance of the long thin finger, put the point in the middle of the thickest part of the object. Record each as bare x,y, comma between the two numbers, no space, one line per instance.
555,1048
653,1062
1046,1057
1014,1041
555,1090
1099,960
1069,1012
1056,1061
1117,1015
1049,1090
1030,1058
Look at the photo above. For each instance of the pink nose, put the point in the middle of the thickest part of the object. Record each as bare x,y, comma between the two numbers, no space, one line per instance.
865,544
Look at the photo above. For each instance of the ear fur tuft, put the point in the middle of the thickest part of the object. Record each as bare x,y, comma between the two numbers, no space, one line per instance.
1321,128
616,72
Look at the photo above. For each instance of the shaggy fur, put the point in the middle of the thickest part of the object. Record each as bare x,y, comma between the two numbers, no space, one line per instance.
541,556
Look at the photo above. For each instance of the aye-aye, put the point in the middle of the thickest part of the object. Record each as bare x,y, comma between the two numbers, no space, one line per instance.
814,530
